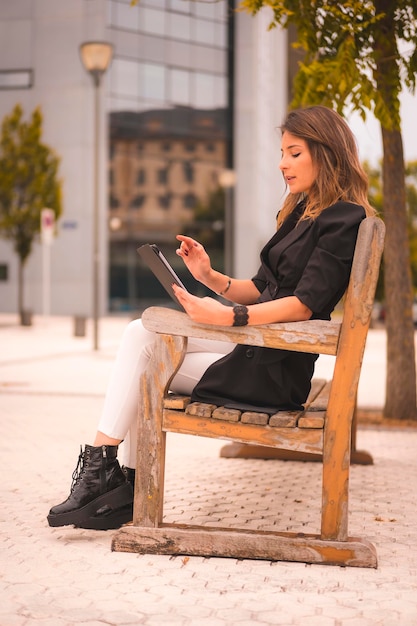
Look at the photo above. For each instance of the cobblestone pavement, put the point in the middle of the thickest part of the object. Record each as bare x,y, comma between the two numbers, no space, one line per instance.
51,390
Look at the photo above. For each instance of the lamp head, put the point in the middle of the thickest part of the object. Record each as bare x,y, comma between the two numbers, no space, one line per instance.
96,57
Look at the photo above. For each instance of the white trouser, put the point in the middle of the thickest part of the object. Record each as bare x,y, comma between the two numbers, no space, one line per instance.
119,416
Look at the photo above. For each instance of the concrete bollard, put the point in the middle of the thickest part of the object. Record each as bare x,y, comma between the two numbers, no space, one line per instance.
26,318
79,325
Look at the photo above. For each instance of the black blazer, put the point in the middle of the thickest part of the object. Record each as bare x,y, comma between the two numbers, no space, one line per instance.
310,259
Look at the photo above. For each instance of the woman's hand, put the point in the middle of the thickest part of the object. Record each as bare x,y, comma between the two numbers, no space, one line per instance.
204,310
198,262
195,258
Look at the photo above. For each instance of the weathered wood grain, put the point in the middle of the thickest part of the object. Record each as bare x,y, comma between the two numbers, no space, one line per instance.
200,541
309,336
303,439
342,397
174,401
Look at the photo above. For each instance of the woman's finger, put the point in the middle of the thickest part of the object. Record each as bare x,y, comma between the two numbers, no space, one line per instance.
188,241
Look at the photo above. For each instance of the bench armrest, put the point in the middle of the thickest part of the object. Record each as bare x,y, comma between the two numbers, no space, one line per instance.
315,336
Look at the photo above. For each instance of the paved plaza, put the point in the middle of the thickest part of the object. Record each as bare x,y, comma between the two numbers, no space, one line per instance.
51,392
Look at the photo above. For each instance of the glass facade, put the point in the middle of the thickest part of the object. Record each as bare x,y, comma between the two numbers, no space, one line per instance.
170,136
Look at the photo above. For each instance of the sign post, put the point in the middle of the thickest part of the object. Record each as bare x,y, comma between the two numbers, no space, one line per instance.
47,234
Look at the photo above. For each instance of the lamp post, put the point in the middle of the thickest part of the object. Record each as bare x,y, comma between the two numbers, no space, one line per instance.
96,57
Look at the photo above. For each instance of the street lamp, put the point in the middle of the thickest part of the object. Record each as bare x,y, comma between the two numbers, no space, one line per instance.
96,57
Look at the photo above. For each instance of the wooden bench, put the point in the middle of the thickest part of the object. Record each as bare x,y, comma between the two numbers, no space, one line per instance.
323,428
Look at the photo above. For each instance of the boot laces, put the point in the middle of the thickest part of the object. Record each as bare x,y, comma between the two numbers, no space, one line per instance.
79,470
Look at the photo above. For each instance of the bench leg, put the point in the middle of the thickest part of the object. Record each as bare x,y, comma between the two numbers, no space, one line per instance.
248,451
149,484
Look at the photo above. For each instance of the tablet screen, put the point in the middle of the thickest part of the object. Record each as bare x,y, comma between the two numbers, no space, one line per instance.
159,265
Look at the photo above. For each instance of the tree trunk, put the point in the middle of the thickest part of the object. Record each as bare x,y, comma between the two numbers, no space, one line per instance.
400,400
401,370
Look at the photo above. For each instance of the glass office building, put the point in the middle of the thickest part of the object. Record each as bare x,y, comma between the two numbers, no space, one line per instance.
189,80
170,112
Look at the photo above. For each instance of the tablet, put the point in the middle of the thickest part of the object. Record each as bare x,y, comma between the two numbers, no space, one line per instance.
156,262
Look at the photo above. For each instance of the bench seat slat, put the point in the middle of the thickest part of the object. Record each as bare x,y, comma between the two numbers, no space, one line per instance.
312,417
285,419
311,420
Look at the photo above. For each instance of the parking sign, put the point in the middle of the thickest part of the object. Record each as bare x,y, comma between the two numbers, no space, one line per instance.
47,225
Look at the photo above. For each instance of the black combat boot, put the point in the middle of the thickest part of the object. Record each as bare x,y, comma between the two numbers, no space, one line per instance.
130,475
107,517
98,481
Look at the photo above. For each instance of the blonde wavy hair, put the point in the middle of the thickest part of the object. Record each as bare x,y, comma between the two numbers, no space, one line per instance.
333,149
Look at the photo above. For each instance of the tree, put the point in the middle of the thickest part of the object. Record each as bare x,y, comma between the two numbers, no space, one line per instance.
353,61
28,184
411,189
376,199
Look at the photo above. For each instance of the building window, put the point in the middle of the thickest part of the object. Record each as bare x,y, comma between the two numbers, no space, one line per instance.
210,10
152,81
153,21
205,31
210,90
180,87
16,79
124,75
190,201
4,272
137,201
135,79
188,171
181,6
190,147
165,201
179,26
201,22
114,202
163,176
123,17
141,177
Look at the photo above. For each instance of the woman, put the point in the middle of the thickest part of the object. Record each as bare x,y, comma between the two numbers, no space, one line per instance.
303,274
